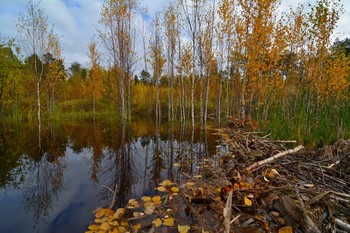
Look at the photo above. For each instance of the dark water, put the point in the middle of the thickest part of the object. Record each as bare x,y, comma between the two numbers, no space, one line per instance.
53,186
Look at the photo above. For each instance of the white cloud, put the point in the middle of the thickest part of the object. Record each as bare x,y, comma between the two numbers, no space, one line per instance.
76,20
154,6
343,29
73,20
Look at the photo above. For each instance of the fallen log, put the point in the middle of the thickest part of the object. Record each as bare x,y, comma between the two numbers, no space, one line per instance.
273,158
342,225
227,212
295,215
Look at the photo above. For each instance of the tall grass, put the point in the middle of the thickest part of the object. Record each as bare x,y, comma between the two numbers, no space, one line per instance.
309,123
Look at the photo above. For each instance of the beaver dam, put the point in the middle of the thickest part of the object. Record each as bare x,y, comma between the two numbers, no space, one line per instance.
252,184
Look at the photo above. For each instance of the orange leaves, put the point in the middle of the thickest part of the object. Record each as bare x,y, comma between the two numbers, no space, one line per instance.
269,173
161,189
100,213
166,222
175,189
169,222
166,183
156,200
109,221
157,222
119,213
168,186
287,229
129,219
104,226
247,201
132,204
334,83
93,227
183,229
146,199
243,185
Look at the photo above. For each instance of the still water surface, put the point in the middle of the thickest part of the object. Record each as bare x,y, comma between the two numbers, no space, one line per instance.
54,186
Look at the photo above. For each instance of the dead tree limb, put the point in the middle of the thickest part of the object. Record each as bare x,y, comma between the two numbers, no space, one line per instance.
295,215
342,225
227,212
273,158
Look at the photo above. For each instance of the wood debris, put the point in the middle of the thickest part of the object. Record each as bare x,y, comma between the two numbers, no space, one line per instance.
254,184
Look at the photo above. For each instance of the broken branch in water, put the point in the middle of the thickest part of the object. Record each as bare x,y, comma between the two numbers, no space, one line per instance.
273,158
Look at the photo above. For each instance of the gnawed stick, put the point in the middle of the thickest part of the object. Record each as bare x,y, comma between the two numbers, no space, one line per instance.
341,194
342,225
273,158
332,165
227,212
279,141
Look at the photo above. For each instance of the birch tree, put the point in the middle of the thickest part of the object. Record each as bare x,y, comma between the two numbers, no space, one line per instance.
191,12
171,35
35,33
55,72
95,73
157,61
118,38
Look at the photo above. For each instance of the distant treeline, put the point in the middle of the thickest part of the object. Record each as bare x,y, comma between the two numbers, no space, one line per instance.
239,58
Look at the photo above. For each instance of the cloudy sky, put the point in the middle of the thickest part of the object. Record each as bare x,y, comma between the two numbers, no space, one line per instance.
75,21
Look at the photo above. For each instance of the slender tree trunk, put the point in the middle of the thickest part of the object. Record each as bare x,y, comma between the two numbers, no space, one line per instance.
93,103
129,98
193,76
181,86
52,98
206,100
219,100
157,101
192,100
201,86
171,107
39,112
122,96
242,103
227,94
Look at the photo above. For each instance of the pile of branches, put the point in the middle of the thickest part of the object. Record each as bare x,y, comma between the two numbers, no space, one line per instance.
253,184
275,186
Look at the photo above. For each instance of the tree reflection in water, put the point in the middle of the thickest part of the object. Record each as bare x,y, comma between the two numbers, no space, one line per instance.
117,174
42,185
121,161
44,180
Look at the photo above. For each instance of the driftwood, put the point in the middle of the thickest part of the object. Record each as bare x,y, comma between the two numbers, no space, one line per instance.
342,225
318,198
295,215
278,141
332,165
115,191
273,158
227,212
193,210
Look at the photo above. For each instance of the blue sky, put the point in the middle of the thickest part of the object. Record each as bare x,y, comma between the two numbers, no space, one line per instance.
75,21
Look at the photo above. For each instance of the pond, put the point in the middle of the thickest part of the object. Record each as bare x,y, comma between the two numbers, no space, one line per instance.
53,184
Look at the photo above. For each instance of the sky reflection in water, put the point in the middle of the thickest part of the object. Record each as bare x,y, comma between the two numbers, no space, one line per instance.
55,189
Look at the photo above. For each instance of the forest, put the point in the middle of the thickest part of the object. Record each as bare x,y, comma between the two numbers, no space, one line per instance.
198,60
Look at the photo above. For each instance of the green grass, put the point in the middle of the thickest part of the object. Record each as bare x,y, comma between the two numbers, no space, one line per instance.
298,119
309,125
